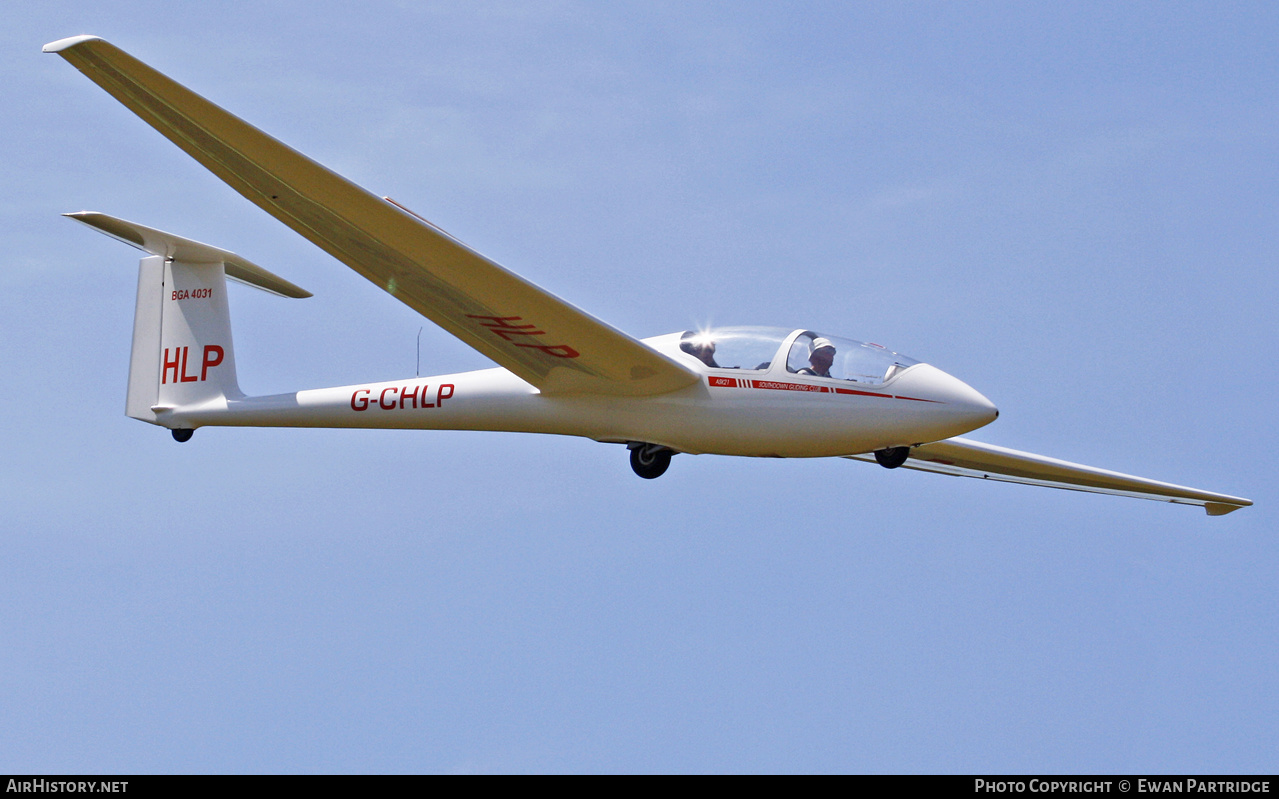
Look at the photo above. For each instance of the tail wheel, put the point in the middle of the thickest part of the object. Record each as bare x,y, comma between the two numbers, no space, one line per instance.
182,434
892,458
650,460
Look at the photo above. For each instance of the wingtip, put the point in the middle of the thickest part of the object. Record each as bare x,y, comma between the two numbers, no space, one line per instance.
69,42
1221,508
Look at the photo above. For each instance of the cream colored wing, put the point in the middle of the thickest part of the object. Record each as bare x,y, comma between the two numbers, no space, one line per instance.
541,338
965,458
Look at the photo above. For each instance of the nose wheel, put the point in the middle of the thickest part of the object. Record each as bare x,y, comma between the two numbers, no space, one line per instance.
892,458
650,460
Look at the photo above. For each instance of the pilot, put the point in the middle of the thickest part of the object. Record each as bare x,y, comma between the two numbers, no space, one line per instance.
821,355
700,347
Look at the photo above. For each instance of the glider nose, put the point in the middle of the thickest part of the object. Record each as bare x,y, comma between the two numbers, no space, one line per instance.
957,403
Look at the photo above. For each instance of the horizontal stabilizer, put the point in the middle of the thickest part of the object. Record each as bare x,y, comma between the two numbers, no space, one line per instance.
158,242
964,458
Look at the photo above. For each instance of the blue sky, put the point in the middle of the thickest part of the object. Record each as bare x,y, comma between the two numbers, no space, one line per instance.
1072,209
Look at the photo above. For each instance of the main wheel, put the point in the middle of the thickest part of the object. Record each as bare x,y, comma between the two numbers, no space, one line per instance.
182,434
650,461
892,458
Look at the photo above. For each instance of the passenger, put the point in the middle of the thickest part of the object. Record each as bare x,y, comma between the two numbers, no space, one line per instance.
821,355
700,347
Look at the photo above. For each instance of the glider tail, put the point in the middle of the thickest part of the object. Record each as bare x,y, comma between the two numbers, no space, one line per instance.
182,356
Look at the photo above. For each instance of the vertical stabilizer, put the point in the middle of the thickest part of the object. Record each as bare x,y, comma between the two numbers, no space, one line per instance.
197,362
182,356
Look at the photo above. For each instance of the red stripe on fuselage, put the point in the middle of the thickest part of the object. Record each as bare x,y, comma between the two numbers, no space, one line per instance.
778,385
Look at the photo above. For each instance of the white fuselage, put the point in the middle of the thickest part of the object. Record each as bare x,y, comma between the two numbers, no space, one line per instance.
770,413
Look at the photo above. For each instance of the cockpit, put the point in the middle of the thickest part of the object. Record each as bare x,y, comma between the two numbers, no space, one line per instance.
798,352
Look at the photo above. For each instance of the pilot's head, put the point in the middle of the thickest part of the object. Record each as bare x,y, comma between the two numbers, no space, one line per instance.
699,346
821,355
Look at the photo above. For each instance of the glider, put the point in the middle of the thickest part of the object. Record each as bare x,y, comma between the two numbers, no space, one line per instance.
747,391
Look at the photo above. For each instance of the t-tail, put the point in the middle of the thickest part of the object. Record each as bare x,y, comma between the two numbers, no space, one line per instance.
182,357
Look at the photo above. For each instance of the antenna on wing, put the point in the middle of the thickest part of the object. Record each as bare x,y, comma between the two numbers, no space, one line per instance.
419,352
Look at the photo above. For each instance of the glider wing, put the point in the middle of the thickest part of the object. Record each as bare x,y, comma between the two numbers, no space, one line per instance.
964,458
541,338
